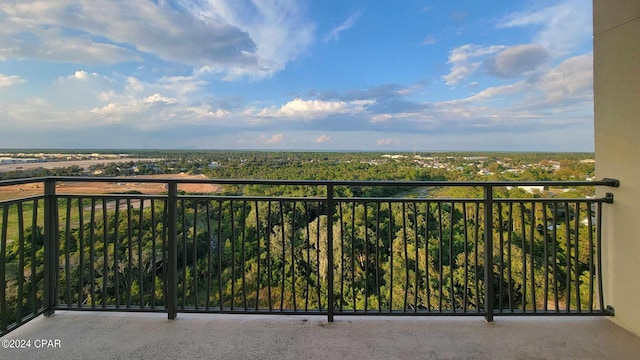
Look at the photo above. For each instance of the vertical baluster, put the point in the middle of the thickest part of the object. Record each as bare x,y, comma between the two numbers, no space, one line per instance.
154,260
67,240
567,232
599,256
509,259
140,244
129,277
284,259
318,248
353,256
308,246
426,255
554,252
440,257
34,249
207,210
185,266
342,253
466,257
533,279
377,264
171,227
233,253
451,259
523,246
20,273
417,260
390,257
268,237
105,253
488,253
591,249
3,266
92,260
244,258
576,262
330,213
116,249
366,258
406,256
545,234
476,237
195,254
258,258
501,245
293,260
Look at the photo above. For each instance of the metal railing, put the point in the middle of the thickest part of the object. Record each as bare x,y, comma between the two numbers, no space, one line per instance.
328,251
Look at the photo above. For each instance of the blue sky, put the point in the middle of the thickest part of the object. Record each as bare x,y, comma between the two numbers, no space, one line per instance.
297,74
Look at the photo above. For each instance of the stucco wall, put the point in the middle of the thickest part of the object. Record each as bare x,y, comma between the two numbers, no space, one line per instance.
617,132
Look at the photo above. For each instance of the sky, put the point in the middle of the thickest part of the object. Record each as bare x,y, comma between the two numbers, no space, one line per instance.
467,75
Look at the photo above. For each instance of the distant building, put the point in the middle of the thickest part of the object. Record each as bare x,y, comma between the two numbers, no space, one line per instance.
532,189
7,160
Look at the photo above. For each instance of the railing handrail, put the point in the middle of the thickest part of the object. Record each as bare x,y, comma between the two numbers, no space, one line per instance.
602,182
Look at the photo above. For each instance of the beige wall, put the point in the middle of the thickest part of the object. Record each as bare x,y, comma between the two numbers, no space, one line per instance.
617,131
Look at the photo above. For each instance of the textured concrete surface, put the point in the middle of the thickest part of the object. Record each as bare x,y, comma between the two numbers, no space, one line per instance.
100,335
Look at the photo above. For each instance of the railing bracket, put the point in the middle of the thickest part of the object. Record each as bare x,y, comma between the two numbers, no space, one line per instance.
608,198
610,310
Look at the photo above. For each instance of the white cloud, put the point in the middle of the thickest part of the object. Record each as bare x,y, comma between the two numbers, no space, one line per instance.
314,109
462,61
516,60
109,109
28,33
323,139
429,40
274,139
159,98
279,30
10,80
334,34
564,26
235,37
206,111
134,85
387,141
299,107
182,85
381,118
573,78
80,75
494,91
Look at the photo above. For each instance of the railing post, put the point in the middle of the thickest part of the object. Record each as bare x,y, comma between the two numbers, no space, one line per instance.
488,253
50,246
330,213
172,251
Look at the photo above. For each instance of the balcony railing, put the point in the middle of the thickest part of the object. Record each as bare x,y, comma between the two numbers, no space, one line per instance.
319,247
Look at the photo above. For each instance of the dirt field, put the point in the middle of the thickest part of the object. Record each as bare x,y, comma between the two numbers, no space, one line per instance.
18,191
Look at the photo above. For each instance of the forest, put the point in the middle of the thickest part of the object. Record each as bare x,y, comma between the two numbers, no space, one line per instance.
271,248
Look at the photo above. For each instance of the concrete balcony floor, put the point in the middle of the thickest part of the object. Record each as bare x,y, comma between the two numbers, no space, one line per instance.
102,335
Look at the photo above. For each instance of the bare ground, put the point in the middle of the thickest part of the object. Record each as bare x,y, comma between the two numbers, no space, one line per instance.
91,188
